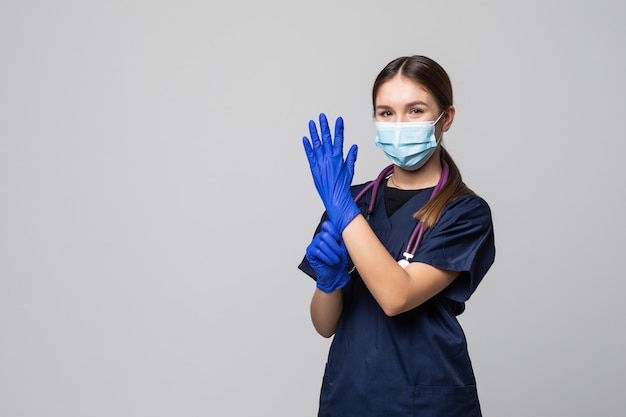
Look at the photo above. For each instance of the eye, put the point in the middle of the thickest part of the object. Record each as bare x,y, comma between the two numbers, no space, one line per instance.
384,113
416,111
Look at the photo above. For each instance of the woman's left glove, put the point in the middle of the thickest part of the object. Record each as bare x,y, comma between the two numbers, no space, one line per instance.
331,174
328,256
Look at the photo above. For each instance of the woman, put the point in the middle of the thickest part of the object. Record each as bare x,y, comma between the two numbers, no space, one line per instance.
398,349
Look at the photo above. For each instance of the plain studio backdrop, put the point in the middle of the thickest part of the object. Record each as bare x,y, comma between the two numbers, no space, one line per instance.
156,199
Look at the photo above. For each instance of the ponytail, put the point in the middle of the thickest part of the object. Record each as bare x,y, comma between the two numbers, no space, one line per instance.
453,188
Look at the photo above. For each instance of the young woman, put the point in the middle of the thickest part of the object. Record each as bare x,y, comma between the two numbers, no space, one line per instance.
396,259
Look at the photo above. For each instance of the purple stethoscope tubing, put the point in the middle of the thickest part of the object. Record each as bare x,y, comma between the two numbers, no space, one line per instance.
418,232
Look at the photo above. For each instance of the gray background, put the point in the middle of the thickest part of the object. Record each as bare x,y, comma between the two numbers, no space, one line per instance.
156,200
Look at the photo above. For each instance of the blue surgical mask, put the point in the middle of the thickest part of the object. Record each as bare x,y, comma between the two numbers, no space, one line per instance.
407,144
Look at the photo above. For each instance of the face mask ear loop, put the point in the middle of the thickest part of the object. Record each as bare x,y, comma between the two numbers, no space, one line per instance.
435,123
439,118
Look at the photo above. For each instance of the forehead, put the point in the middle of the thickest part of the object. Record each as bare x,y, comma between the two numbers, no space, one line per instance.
401,90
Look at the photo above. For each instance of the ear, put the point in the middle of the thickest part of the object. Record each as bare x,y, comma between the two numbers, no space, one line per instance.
448,118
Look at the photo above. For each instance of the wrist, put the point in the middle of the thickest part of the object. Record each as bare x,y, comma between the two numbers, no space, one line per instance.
343,218
334,283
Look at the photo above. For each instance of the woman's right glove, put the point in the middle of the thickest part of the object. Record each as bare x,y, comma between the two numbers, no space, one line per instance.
328,256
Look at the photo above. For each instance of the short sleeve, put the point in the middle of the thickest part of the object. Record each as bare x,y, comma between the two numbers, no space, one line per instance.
304,265
462,240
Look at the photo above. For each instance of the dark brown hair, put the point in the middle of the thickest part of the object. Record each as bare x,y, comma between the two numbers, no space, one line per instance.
434,78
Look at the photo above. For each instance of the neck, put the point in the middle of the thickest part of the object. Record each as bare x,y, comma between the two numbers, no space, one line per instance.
425,177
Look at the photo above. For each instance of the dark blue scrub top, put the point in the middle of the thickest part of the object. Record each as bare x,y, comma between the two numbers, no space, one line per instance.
416,363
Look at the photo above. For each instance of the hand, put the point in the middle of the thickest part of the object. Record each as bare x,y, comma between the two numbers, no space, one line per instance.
328,256
331,175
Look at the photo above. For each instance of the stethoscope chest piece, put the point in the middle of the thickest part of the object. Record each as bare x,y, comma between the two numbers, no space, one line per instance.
407,259
403,263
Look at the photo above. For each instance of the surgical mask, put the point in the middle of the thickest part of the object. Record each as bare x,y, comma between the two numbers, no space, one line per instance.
407,144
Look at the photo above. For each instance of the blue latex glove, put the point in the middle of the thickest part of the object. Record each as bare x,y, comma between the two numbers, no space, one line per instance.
331,175
328,256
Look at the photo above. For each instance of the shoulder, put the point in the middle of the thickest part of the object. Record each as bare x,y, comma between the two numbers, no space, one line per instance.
469,201
467,208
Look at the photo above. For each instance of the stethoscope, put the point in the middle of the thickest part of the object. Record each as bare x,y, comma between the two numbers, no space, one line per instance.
418,232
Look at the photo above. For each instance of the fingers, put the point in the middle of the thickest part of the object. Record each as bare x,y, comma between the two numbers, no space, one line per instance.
315,139
329,228
321,250
338,145
308,149
327,140
318,149
332,146
327,245
351,159
316,144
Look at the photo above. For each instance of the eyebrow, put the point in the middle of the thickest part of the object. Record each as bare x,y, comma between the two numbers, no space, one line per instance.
411,104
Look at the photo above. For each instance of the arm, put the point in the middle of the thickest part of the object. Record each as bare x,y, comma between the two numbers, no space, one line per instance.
328,256
325,311
395,289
